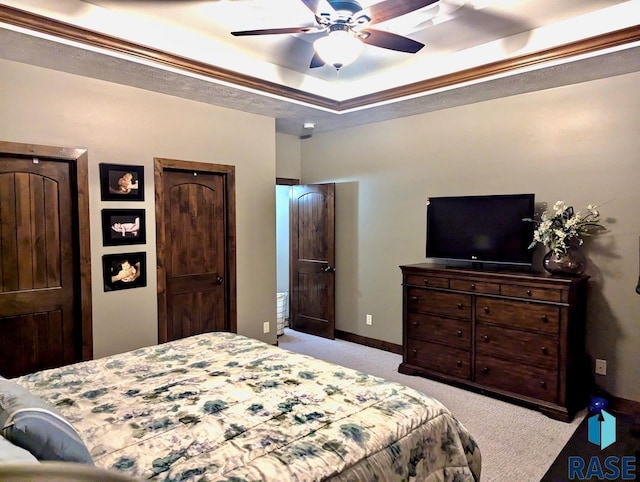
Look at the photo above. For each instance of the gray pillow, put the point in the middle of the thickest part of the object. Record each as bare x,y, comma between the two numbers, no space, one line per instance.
29,422
12,454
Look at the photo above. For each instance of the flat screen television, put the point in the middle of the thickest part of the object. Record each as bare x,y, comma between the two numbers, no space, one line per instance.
481,229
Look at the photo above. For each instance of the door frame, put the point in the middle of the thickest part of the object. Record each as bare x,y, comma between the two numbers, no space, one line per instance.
78,161
228,172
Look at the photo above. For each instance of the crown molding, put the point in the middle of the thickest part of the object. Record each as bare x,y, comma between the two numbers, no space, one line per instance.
566,51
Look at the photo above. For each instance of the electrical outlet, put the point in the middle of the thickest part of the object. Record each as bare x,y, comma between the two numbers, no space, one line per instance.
266,327
369,320
601,367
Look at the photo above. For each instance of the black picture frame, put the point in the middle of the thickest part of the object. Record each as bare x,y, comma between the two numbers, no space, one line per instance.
121,182
123,226
133,265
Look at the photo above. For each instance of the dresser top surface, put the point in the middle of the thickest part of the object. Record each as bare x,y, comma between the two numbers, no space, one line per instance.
504,275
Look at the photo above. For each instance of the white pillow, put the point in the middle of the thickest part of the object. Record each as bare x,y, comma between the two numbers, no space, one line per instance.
12,454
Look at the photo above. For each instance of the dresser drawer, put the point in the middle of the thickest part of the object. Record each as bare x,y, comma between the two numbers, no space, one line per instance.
438,302
518,378
475,286
443,330
518,314
530,292
439,358
537,349
431,281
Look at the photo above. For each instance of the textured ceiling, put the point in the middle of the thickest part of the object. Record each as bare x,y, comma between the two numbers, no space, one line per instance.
506,48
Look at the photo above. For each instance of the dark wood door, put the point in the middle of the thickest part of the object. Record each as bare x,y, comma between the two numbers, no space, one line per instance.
313,259
38,323
196,249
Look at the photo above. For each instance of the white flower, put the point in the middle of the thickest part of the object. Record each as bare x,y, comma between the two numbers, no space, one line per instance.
559,228
559,206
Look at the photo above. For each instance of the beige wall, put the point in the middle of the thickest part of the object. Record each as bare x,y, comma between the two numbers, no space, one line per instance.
287,156
578,143
119,124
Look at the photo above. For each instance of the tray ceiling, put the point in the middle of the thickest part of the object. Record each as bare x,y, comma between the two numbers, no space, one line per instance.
473,51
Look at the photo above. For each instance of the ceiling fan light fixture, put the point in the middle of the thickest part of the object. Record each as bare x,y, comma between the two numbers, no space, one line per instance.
341,47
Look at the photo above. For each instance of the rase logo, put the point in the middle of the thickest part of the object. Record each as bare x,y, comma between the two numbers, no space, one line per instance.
602,432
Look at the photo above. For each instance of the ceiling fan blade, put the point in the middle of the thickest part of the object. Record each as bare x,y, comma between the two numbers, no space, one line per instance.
391,41
388,9
316,61
273,31
318,6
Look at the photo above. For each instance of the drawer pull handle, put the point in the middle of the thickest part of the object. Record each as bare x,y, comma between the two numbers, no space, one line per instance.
459,333
543,384
485,370
414,298
459,363
415,352
426,281
544,350
545,319
473,286
485,337
485,309
415,323
529,293
460,306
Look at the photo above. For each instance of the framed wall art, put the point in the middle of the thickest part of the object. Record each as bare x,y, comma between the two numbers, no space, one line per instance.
124,271
123,226
121,182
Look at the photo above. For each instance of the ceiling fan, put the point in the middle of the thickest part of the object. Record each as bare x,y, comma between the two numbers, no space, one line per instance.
348,28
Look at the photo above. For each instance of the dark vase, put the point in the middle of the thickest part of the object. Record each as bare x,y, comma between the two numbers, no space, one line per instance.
572,263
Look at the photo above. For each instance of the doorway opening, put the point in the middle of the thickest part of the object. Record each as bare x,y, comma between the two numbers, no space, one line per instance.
311,242
283,253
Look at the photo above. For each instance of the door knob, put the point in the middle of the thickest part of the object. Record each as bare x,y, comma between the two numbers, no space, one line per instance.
329,269
219,280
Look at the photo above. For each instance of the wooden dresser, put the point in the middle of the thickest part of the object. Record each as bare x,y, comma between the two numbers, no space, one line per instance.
516,336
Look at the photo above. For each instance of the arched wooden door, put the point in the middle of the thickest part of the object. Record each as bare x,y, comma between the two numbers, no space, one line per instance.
313,259
45,306
195,217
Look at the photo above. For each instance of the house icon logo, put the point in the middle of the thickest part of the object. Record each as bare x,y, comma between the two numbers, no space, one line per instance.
602,432
602,429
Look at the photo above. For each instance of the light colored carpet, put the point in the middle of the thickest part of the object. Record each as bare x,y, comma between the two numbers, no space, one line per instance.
517,444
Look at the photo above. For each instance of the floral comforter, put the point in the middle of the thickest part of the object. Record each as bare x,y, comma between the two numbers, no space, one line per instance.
223,407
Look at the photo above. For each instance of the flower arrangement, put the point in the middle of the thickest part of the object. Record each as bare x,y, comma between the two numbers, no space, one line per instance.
558,228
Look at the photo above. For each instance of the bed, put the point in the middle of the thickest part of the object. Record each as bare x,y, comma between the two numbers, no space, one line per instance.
224,407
